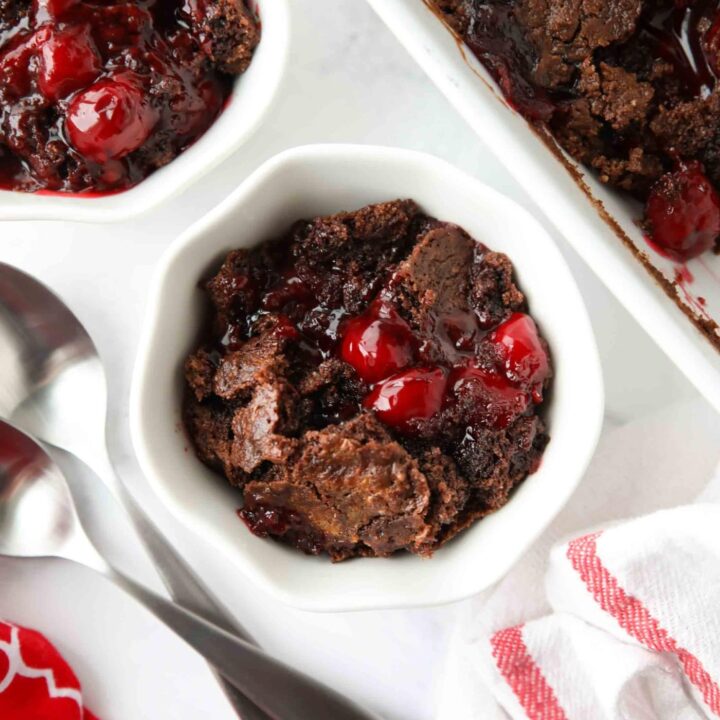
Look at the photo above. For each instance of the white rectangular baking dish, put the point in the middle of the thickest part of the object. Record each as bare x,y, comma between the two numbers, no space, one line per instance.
678,305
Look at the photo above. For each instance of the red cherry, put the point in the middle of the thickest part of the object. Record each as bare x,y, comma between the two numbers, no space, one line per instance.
68,61
110,119
683,212
378,343
285,328
525,358
415,394
492,399
265,520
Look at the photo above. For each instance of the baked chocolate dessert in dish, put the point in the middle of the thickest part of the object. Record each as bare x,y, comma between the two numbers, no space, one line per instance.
96,94
371,382
628,87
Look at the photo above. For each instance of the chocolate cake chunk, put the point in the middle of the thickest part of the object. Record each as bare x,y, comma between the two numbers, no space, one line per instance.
692,129
493,293
449,493
562,34
227,32
371,382
260,360
200,373
210,426
628,87
340,258
353,486
434,279
261,428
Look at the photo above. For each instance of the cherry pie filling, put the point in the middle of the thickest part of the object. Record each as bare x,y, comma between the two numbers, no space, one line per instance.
94,95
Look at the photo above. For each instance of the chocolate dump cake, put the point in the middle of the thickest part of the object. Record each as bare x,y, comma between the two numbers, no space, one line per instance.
96,94
371,382
628,87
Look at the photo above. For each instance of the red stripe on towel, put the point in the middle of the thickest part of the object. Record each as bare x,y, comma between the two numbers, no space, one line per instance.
634,617
524,676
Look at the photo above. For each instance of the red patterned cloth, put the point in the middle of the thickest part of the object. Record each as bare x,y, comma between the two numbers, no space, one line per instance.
35,682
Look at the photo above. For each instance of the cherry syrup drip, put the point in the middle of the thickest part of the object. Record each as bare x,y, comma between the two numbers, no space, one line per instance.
683,277
499,43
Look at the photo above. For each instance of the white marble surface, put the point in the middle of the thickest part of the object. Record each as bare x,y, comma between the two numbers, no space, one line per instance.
348,81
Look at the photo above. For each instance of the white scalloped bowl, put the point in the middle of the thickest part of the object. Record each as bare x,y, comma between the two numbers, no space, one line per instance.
324,179
251,97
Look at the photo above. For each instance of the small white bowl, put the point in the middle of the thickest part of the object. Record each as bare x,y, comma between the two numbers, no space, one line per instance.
251,97
322,179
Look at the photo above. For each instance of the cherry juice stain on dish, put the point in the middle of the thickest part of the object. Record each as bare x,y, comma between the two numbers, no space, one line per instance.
94,96
683,278
371,381
628,88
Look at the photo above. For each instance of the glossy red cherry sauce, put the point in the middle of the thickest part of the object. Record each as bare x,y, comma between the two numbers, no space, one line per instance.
264,521
495,379
500,44
455,365
96,95
378,343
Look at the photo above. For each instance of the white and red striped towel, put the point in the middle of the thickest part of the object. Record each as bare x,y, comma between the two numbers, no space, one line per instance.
608,618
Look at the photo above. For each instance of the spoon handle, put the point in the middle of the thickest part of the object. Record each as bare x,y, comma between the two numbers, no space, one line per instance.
187,590
282,692
180,579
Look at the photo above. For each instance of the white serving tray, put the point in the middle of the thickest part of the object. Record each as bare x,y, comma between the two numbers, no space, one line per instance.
678,305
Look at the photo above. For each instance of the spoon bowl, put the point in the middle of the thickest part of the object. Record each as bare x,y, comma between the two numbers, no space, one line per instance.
37,512
37,516
54,383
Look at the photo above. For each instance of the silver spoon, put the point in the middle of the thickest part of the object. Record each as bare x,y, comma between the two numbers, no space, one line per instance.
38,518
54,388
